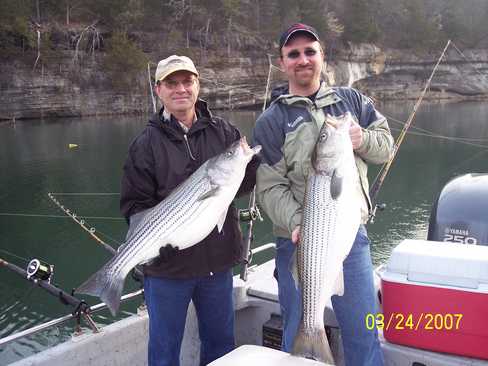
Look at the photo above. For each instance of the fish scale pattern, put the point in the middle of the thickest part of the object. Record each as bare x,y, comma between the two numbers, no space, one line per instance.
319,217
181,206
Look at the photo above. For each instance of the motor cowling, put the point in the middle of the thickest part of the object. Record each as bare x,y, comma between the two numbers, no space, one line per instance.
460,212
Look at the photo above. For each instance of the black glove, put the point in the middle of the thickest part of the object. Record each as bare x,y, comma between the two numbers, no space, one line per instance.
137,274
167,252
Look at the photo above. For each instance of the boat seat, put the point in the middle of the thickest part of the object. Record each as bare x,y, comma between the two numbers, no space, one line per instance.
257,355
263,284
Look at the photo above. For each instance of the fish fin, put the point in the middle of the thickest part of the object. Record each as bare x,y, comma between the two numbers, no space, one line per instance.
294,269
339,284
336,184
107,288
134,222
220,223
313,344
211,192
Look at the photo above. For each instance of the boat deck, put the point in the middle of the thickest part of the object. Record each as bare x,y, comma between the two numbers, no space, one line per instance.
256,301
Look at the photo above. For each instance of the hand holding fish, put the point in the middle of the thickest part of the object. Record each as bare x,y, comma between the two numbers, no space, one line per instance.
167,252
356,134
295,235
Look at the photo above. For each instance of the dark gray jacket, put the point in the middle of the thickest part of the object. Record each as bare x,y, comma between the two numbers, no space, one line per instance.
162,157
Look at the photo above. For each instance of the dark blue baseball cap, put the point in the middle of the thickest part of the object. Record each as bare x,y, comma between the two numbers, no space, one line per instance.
295,28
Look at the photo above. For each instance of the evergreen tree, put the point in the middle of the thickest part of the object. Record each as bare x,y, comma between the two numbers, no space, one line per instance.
124,61
359,22
16,35
419,31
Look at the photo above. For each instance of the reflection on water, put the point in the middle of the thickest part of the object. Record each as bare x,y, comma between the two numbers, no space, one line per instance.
447,140
35,159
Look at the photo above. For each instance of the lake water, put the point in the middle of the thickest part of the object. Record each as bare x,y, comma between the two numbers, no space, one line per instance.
446,140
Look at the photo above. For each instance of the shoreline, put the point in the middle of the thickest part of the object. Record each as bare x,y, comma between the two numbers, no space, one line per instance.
255,107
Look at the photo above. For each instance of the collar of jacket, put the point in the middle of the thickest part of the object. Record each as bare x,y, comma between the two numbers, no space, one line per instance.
172,127
325,96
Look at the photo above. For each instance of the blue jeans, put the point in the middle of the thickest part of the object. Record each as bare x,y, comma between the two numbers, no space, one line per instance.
361,346
167,303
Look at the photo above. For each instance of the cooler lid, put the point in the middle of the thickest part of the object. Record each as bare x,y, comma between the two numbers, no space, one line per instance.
439,263
249,355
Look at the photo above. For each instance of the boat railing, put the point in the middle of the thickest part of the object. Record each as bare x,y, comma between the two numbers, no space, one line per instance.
262,248
38,328
97,308
245,268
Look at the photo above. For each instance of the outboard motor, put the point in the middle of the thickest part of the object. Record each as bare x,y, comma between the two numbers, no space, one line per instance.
460,213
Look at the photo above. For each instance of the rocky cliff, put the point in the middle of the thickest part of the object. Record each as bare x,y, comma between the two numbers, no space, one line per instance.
394,74
65,88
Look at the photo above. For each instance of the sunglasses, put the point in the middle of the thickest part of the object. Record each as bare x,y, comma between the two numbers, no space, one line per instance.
296,54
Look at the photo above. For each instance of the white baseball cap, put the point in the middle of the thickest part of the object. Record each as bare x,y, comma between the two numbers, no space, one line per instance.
172,64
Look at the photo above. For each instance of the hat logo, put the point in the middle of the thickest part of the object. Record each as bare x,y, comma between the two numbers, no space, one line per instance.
176,62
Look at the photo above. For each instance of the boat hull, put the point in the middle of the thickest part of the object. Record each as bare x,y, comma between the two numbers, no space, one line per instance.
125,342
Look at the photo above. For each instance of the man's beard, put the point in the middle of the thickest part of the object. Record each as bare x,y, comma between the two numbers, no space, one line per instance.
308,78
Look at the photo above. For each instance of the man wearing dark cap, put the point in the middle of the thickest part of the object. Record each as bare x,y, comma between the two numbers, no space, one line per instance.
288,131
175,143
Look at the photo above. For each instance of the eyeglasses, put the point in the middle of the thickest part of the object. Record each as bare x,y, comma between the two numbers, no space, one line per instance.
296,54
173,84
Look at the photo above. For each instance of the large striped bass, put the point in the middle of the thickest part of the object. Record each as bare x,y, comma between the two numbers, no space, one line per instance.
331,218
183,219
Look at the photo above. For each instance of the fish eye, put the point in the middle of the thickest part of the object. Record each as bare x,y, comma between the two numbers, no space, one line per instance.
229,153
323,136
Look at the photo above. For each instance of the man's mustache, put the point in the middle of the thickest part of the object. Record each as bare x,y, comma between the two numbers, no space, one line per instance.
299,68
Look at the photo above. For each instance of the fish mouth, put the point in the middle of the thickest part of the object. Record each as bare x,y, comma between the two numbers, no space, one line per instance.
244,144
340,122
247,149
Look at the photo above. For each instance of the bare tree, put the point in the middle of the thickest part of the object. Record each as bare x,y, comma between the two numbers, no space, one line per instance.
37,29
95,41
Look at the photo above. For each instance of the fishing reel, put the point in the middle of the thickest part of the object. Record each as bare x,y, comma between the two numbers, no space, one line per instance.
250,214
38,270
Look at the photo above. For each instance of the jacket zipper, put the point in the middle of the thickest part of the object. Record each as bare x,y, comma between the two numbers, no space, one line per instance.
188,147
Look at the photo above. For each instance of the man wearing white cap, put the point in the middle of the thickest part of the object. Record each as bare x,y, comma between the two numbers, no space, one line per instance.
175,143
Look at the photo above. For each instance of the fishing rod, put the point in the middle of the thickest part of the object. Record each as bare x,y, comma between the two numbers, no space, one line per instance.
81,222
252,213
40,274
153,99
136,272
249,215
377,184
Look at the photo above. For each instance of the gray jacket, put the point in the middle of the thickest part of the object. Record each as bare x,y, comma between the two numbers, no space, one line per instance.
288,130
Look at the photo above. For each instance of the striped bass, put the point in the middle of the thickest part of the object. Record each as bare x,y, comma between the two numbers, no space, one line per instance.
331,219
184,218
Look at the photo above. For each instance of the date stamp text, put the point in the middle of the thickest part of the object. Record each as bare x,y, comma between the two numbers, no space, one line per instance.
422,321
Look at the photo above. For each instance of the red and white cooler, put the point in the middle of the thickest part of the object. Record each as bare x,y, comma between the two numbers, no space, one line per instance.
435,297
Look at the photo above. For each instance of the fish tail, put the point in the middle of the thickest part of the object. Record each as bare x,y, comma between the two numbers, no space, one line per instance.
107,287
313,344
